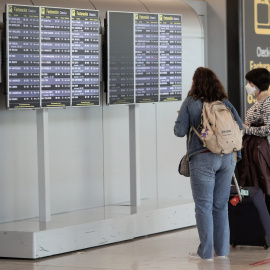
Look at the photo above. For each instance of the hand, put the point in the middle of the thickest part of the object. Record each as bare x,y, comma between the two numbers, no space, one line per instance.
245,126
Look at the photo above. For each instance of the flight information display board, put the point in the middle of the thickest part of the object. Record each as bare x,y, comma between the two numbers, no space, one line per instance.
53,57
23,57
85,57
145,51
146,57
170,58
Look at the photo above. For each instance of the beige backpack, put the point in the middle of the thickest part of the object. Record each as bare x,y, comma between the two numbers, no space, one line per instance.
221,133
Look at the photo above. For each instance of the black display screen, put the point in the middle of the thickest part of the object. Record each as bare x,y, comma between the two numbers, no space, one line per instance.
23,63
144,57
121,58
53,57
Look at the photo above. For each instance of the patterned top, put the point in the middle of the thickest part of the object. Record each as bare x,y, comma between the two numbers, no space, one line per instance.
259,113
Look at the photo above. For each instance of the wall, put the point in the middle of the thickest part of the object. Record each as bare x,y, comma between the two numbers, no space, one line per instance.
89,147
216,41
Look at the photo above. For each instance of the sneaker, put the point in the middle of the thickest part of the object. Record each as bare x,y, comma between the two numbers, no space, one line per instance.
222,257
192,255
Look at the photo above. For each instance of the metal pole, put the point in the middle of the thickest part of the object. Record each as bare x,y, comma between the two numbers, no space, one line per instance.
134,152
43,166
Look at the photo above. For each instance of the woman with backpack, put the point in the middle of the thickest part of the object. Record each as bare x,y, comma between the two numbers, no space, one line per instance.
254,168
210,173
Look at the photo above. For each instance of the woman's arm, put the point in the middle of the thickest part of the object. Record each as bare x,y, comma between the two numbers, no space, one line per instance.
181,127
262,131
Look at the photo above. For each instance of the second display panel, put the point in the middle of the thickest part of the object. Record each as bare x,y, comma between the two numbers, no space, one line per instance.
144,57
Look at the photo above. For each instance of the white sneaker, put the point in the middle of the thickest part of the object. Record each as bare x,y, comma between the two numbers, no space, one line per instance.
222,257
192,255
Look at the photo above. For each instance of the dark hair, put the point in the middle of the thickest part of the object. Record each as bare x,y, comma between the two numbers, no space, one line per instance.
259,77
207,86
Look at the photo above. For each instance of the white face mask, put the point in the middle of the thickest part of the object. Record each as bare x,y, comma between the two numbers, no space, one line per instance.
250,89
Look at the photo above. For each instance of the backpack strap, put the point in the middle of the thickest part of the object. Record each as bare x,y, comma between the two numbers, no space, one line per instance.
198,134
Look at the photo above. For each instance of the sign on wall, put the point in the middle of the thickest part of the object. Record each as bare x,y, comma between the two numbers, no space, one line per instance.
256,39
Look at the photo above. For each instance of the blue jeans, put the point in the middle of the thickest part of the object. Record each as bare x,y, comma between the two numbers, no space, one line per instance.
210,177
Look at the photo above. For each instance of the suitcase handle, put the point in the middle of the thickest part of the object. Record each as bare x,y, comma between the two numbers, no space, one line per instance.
237,187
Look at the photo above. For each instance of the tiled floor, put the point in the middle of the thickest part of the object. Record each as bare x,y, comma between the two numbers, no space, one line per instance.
166,251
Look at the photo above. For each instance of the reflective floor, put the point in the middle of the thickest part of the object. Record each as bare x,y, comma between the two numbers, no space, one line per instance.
167,251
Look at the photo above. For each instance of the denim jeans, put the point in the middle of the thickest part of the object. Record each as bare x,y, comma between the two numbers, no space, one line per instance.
210,177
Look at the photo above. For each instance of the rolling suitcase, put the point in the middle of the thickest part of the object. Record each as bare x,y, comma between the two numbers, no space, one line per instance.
249,219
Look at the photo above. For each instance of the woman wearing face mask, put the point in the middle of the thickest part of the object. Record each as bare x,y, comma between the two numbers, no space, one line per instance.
254,168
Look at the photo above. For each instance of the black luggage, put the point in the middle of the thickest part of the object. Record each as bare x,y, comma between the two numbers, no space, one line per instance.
249,220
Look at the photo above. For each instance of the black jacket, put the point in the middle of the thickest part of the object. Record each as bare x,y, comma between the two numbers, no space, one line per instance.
254,168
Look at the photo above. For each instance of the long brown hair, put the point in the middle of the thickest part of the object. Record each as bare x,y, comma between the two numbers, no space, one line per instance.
207,86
